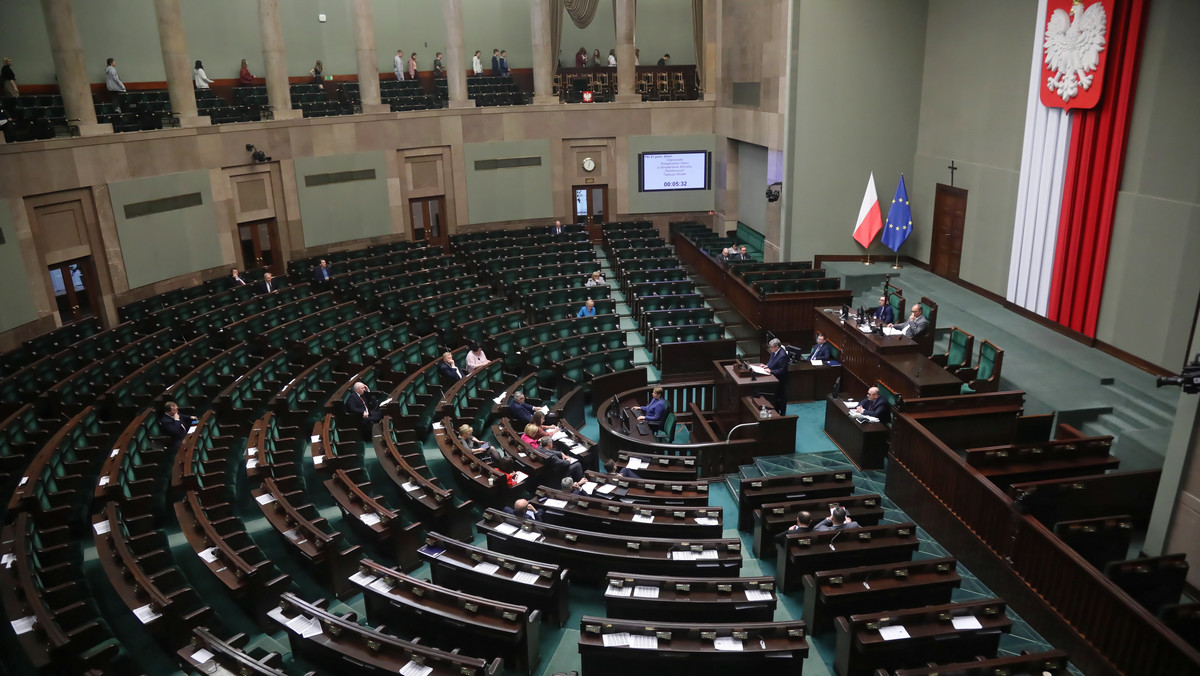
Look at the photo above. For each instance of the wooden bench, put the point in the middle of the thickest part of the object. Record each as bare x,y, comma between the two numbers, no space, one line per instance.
584,512
511,579
1088,497
590,556
1050,663
342,642
654,598
809,552
1154,581
649,491
1006,465
436,505
689,649
889,586
660,467
1100,540
754,493
368,515
451,619
205,648
865,643
774,518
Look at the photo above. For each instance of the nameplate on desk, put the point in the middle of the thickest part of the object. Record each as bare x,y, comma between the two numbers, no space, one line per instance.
964,622
893,633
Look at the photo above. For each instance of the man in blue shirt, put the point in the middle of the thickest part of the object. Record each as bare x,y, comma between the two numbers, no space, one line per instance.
655,411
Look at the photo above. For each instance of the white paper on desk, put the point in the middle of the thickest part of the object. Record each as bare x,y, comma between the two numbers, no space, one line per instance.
893,632
558,436
525,577
414,669
24,480
814,362
105,479
114,453
636,463
759,370
624,592
889,331
758,595
531,535
251,451
385,402
642,518
519,476
588,487
543,409
209,555
410,486
318,460
683,555
500,398
7,560
606,489
190,430
865,328
618,639
851,404
291,534
362,578
381,585
646,642
966,622
707,554
486,567
438,426
706,521
316,438
304,626
201,656
23,625
145,614
643,591
555,503
727,643
102,527
369,519
252,463
576,449
506,528
265,499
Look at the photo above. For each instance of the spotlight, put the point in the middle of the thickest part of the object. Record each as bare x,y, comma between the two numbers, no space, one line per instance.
257,155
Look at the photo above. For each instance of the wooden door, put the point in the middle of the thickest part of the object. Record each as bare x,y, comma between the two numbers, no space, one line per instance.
260,246
949,218
426,213
591,209
75,289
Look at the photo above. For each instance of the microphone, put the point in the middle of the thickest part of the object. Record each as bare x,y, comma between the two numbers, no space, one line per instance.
832,539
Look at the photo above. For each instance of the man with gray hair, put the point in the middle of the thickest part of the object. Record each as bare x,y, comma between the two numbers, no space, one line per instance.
359,404
778,366
520,411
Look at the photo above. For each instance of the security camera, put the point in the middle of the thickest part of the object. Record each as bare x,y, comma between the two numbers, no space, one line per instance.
773,192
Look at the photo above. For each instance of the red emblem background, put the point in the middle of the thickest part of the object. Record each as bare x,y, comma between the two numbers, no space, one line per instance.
1087,98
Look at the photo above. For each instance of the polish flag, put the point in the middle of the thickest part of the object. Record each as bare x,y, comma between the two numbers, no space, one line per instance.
869,220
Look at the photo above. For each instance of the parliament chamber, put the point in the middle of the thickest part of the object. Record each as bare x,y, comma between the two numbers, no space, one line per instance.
515,369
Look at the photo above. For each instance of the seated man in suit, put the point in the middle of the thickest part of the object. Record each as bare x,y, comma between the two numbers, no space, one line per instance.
557,229
175,425
744,254
876,407
883,314
916,324
557,463
838,519
524,509
724,257
821,351
448,369
359,403
235,279
610,466
320,273
656,411
569,486
266,285
519,411
803,524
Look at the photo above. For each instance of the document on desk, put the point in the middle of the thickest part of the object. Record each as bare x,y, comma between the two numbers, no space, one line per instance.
531,535
636,463
558,436
499,399
588,487
893,633
486,567
623,592
760,370
146,614
758,595
23,625
525,577
201,656
643,591
576,449
414,669
209,555
727,643
706,521
362,579
606,489
644,642
816,362
506,528
618,639
557,504
643,518
889,331
966,622
369,519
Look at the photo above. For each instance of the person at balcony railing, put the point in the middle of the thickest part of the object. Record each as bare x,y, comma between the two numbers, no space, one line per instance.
476,64
581,58
612,58
245,78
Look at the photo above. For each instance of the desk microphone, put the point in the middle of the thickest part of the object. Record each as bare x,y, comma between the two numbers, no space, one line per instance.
832,539
917,374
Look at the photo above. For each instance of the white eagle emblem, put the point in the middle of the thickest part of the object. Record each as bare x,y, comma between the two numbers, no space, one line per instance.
1073,45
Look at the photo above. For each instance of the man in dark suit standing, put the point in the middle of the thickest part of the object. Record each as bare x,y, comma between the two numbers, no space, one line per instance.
175,425
495,62
884,313
266,285
876,407
778,366
820,351
320,273
359,404
520,411
504,63
235,279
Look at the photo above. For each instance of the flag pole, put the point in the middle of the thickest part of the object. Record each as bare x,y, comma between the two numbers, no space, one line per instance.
868,261
896,265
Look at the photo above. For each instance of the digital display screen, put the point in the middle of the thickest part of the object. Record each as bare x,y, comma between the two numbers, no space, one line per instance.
682,170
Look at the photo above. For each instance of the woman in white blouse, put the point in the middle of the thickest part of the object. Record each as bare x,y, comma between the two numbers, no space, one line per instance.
475,358
200,76
476,64
612,58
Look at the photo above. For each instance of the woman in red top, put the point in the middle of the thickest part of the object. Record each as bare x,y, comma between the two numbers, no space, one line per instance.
246,78
581,58
530,435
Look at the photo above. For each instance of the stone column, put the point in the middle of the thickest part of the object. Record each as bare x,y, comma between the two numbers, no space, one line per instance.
67,51
180,83
626,72
270,30
712,48
543,61
364,44
456,73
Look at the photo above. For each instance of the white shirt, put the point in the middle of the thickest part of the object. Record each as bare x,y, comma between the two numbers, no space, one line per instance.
201,78
474,362
398,66
476,65
612,61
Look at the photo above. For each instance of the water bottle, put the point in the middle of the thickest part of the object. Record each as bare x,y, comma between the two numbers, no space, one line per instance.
762,412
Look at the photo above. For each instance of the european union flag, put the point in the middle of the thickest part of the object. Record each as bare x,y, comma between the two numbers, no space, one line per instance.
899,220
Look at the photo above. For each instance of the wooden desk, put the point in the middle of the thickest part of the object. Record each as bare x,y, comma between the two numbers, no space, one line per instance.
809,552
774,518
1052,663
691,599
865,444
754,493
865,589
618,518
807,382
892,360
861,649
